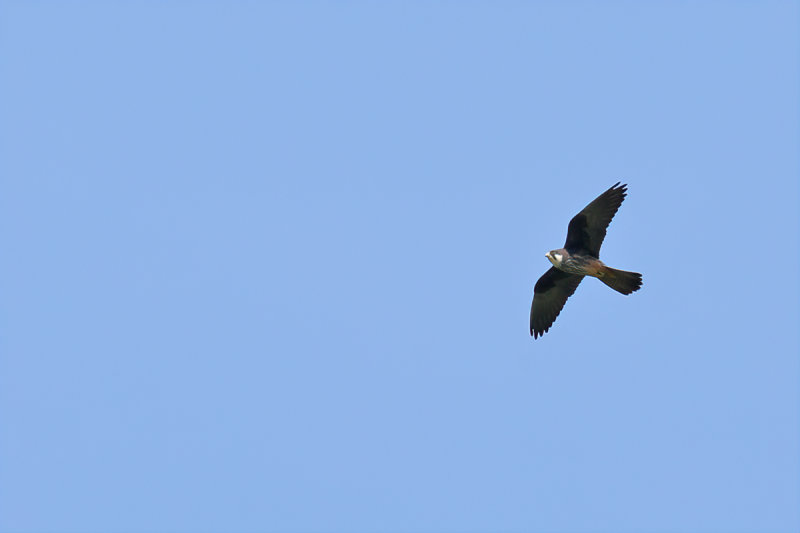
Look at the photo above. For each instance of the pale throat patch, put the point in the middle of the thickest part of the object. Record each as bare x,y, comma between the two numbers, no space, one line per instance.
555,258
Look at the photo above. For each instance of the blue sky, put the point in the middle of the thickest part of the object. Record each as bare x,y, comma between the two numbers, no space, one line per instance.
268,267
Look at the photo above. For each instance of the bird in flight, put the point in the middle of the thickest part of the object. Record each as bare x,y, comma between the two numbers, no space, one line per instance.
580,257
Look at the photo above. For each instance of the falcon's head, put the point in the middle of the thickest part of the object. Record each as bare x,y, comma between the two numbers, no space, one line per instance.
555,257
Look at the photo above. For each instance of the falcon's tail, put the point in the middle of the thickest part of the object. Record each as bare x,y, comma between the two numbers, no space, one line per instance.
620,280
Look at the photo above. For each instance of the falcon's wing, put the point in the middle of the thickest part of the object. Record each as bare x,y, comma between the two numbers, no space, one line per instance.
587,229
549,296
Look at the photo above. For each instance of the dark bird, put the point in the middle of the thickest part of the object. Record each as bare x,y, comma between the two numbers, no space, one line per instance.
580,257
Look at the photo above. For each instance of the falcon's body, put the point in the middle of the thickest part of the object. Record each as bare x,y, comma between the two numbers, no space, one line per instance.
580,257
586,265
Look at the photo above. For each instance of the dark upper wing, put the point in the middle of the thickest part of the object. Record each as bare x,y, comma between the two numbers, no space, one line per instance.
587,229
549,296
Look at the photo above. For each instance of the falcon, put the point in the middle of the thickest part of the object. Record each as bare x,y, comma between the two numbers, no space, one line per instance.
580,257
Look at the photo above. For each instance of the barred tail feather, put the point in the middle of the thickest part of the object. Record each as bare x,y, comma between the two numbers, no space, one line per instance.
620,280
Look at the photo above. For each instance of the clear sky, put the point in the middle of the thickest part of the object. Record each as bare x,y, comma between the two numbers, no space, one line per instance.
267,267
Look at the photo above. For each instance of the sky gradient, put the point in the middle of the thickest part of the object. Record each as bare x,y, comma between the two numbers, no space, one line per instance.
267,267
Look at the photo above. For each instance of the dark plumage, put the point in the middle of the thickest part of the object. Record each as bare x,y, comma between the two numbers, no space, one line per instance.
580,257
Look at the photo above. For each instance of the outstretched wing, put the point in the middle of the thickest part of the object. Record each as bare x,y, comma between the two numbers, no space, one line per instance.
549,296
587,229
